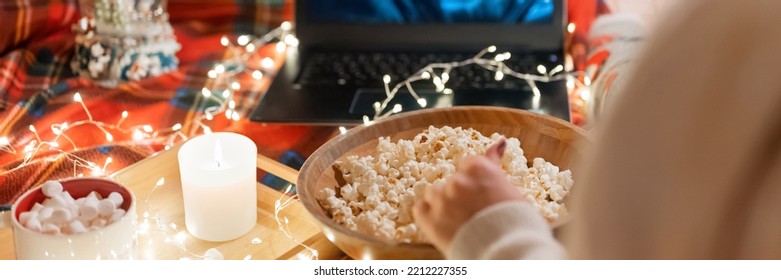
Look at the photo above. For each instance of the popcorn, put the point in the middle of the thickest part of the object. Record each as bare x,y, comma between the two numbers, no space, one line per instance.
60,213
381,189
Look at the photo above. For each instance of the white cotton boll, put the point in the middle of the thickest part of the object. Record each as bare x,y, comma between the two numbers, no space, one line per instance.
51,188
116,198
106,208
50,229
213,254
76,226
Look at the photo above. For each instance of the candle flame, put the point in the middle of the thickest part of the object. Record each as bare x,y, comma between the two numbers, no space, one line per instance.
218,153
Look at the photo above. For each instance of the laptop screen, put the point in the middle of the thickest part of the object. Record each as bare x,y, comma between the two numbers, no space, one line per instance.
511,12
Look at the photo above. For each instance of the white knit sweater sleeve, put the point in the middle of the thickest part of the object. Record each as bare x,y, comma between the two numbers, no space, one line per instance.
508,230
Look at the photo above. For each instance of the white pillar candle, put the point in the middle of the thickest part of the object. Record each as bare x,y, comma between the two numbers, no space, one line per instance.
219,185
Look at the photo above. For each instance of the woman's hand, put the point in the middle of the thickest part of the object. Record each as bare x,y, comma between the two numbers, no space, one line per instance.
479,182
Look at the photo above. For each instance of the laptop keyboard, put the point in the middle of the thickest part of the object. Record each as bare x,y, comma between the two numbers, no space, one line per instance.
366,69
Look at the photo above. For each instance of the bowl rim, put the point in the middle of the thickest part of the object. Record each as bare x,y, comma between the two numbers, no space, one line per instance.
324,220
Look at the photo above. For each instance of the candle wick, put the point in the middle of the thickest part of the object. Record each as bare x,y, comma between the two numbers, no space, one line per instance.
218,163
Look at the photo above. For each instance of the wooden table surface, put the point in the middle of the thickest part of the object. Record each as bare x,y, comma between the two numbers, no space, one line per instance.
161,229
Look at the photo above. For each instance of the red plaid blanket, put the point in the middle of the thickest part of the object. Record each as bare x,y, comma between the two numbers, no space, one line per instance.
37,87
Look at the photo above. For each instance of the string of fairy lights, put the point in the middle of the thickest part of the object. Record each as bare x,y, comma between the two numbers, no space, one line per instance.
223,84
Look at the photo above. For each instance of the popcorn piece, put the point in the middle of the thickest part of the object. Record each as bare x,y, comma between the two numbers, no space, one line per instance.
380,189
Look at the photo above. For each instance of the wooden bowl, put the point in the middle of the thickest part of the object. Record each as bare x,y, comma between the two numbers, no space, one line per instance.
556,141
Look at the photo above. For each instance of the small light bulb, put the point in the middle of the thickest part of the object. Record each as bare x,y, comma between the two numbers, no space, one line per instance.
291,40
138,135
219,68
267,62
236,116
386,79
281,47
231,104
32,128
425,75
235,86
77,97
212,74
124,114
286,25
4,141
250,47
177,127
225,93
499,76
491,49
397,108
224,41
342,130
109,137
206,92
571,27
147,128
447,91
257,75
445,77
243,40
422,102
541,68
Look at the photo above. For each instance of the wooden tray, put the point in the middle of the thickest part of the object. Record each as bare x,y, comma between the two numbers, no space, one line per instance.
169,239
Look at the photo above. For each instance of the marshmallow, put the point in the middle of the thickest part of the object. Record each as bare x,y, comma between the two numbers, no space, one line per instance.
37,207
118,214
56,202
106,208
51,188
25,216
80,201
213,254
51,229
33,224
76,227
68,198
60,215
88,211
99,223
45,213
116,198
94,195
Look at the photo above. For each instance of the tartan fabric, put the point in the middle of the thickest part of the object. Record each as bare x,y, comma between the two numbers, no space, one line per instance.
37,87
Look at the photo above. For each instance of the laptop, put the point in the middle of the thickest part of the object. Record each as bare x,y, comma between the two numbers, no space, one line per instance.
346,47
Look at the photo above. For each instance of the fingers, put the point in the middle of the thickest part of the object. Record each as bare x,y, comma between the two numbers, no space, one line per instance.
496,151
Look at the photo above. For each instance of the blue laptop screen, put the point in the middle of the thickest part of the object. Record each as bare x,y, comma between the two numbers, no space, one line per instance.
430,11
